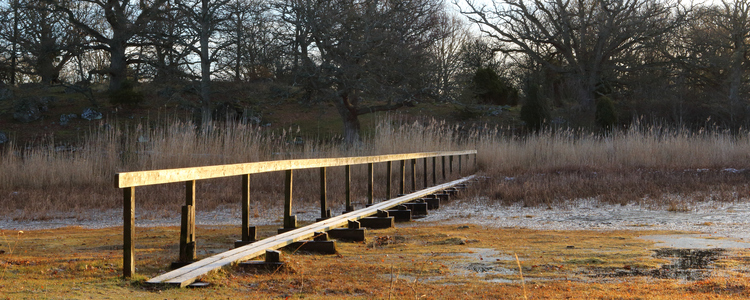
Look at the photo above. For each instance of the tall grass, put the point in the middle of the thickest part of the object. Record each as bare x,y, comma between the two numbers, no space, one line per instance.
39,179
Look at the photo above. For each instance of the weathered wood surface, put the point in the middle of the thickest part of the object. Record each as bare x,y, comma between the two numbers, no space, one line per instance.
141,178
188,274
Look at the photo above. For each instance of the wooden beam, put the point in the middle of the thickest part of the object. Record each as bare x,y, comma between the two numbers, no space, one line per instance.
246,209
323,200
289,220
424,164
388,175
413,175
401,188
128,234
141,178
348,185
434,171
188,274
370,184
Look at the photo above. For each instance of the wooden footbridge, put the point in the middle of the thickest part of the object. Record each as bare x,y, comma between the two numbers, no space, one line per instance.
248,247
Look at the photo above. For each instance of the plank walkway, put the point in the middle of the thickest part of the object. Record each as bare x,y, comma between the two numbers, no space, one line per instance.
190,273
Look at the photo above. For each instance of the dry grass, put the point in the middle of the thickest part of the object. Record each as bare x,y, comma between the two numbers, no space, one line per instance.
640,164
400,263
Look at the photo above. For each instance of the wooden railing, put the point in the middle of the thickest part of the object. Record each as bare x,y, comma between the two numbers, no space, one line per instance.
128,181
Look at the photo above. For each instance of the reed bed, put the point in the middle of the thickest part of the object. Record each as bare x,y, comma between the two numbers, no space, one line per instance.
40,181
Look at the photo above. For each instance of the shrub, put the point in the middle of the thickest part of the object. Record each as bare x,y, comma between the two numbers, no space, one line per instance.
126,95
605,116
490,88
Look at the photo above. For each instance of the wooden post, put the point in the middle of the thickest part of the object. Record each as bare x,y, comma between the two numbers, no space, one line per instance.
424,164
475,162
289,220
434,170
370,183
459,165
388,183
323,200
128,232
246,209
450,164
413,175
401,189
348,185
442,164
187,230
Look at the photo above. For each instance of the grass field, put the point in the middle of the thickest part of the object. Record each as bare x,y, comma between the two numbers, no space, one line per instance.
414,262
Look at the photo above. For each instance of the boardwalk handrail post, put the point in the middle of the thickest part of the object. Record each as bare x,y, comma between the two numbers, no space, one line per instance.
459,165
325,213
247,236
450,164
434,170
128,232
424,164
442,164
389,174
290,221
348,184
187,226
370,184
401,189
413,175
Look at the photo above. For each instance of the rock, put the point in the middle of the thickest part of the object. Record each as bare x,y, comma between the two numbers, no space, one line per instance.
3,138
5,92
91,114
27,110
65,118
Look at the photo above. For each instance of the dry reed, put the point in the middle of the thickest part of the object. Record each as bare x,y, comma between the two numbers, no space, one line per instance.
39,179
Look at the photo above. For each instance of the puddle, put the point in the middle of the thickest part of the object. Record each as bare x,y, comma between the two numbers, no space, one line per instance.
686,264
693,241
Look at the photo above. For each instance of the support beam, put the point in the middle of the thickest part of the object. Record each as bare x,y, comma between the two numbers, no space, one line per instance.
434,171
370,184
246,236
128,234
442,164
450,164
325,213
459,165
424,164
289,220
187,228
413,175
401,189
388,175
348,184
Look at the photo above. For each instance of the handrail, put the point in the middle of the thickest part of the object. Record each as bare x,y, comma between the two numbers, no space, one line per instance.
143,178
128,181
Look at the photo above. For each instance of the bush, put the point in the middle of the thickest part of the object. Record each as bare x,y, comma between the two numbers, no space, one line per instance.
535,111
490,88
605,116
126,95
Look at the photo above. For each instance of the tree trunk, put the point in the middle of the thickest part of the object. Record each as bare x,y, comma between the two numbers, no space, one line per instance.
118,68
350,118
205,62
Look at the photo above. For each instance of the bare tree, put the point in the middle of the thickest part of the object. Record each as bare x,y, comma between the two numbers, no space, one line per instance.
587,41
45,41
371,54
124,20
446,57
203,21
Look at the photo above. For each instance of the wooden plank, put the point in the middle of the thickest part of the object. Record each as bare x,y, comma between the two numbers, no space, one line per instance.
188,274
141,178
